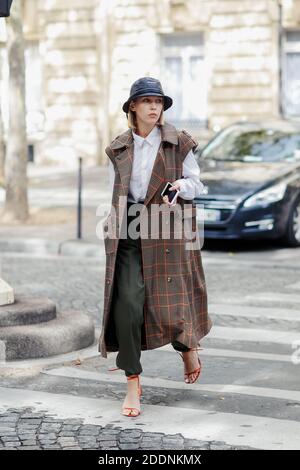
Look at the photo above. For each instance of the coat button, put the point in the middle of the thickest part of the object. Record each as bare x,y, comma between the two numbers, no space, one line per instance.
108,282
169,279
167,250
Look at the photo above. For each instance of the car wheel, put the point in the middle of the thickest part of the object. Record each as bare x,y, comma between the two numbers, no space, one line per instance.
292,235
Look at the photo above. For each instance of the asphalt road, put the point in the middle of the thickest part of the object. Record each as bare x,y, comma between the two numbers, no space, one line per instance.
248,394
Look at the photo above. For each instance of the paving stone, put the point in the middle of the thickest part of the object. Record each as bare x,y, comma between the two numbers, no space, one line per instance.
5,435
29,421
32,416
30,442
29,448
53,421
47,436
65,440
54,446
8,419
10,437
11,443
149,439
70,427
45,430
72,448
108,443
67,433
108,435
89,432
48,443
73,421
28,427
127,446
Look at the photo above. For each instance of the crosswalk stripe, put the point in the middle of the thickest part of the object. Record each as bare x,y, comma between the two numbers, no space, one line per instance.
273,297
296,285
254,312
232,262
233,428
238,354
253,334
258,299
118,377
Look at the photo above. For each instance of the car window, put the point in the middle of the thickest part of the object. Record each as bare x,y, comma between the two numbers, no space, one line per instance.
253,145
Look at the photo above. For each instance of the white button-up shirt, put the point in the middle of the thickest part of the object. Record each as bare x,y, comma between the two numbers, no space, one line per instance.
145,151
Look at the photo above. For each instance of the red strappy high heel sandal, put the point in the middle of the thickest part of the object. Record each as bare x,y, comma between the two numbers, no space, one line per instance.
188,375
130,411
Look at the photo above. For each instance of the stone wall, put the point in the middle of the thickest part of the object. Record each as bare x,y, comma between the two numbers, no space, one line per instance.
291,13
92,51
241,50
71,85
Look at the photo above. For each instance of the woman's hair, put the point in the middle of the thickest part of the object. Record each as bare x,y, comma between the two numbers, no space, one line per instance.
131,119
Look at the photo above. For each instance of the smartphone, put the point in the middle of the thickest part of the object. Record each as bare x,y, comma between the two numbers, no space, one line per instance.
172,195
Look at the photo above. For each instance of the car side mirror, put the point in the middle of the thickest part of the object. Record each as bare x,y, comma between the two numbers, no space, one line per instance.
5,6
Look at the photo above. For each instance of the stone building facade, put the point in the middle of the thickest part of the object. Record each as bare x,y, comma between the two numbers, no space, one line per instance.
221,60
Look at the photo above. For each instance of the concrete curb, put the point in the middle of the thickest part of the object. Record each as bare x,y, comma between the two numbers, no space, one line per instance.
69,331
9,367
43,246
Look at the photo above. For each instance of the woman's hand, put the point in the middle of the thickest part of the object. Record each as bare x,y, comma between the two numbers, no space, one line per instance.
172,188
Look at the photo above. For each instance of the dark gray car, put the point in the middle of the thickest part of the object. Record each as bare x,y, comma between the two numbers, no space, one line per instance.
251,172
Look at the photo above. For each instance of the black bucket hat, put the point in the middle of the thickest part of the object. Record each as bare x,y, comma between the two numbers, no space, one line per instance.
147,86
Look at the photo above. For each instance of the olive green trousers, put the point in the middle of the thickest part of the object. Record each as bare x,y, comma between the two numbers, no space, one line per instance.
127,305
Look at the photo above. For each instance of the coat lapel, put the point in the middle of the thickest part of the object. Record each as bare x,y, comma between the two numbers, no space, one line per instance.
157,175
168,134
124,159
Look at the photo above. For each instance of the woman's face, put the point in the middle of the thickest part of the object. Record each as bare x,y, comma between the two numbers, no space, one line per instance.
148,109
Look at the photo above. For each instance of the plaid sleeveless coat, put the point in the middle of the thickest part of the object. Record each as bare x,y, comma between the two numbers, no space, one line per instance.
175,305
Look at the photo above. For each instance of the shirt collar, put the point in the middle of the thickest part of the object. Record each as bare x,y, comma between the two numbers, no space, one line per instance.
151,138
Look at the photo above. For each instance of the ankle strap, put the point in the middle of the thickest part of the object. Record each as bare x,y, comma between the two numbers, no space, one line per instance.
131,377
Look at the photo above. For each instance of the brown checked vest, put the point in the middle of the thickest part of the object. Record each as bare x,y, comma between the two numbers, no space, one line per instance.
175,289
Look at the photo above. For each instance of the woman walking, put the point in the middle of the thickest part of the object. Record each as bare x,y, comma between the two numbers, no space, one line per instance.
155,290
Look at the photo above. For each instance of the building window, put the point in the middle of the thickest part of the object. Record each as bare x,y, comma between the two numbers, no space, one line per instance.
184,78
291,73
30,153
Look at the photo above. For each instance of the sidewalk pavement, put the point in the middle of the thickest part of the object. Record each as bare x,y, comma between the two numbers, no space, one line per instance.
52,226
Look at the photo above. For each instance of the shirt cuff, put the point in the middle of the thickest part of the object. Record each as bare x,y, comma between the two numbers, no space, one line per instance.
183,192
189,188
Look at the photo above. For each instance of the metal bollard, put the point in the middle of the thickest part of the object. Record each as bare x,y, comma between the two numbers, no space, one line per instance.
79,212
